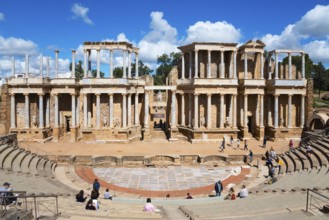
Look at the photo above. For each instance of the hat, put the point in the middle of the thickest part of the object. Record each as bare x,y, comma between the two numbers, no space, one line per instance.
6,184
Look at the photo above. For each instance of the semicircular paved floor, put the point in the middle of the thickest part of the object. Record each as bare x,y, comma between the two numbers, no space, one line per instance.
165,179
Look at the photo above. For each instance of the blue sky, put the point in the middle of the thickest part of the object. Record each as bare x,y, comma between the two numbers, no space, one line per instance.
157,27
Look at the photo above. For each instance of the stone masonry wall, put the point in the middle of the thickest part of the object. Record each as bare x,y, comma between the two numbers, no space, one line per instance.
309,102
4,110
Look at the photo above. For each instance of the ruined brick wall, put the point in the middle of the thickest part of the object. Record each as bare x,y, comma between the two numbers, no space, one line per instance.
4,110
309,102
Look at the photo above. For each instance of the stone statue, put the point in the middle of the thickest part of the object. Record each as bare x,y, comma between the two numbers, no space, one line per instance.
35,121
202,121
105,123
159,96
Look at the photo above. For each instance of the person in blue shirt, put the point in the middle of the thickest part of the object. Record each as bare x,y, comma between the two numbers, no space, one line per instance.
218,187
96,185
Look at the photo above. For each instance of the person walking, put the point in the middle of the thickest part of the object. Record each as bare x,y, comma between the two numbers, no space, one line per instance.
238,144
96,185
251,155
218,188
264,142
245,145
231,140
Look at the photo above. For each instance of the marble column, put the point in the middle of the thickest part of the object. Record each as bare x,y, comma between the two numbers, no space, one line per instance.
276,111
26,66
129,64
303,65
196,111
190,107
89,65
89,110
261,123
222,111
56,63
41,122
276,65
12,111
302,111
56,124
73,110
85,111
270,67
234,65
47,111
190,65
289,66
77,112
222,65
136,110
98,110
183,66
235,110
262,65
245,65
48,66
146,109
111,109
245,110
269,110
124,64
136,66
209,64
41,66
124,110
183,109
173,109
208,110
27,110
196,67
73,64
111,63
98,63
13,67
129,109
85,69
289,110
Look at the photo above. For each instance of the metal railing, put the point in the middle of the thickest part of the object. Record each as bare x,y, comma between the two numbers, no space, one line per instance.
315,200
20,203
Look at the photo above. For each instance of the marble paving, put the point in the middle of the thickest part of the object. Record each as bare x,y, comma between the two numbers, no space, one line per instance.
165,179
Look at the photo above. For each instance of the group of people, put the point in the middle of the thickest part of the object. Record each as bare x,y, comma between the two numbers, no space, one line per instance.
7,196
92,203
223,144
231,194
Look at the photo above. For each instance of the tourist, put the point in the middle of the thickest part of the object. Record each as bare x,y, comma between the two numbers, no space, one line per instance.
5,191
80,196
245,145
267,155
264,142
223,144
291,145
168,196
149,207
272,154
189,196
231,141
238,143
218,187
280,164
94,194
308,150
107,194
90,205
251,155
243,192
231,194
269,163
96,185
271,172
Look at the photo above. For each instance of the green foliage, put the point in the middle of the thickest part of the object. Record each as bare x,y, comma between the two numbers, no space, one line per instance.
142,69
94,73
78,70
167,62
297,61
320,77
117,72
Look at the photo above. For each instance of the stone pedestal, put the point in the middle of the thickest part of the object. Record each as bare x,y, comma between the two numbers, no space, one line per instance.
260,133
74,132
147,134
245,132
56,134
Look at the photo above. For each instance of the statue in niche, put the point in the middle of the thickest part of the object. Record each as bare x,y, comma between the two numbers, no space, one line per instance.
116,122
282,122
35,121
105,122
159,96
202,121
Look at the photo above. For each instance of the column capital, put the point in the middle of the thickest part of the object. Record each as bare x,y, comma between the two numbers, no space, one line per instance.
41,94
124,94
209,94
54,94
173,91
147,92
302,53
110,94
25,94
196,51
276,53
196,94
289,53
290,95
276,95
303,95
73,51
12,94
56,51
73,94
97,94
209,51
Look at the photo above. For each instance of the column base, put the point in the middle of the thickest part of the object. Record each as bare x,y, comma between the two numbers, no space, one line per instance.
260,133
56,134
146,134
74,134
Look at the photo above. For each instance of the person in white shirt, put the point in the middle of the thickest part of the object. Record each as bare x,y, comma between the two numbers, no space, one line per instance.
107,194
243,192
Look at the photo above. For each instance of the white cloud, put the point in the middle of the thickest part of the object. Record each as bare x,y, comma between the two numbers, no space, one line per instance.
2,17
318,51
81,12
17,46
220,31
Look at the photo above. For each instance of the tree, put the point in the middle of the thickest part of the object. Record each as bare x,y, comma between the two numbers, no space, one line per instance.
78,70
94,73
320,77
167,62
142,69
297,61
117,72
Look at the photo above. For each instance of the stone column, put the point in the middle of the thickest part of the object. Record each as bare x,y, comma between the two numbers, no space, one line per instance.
269,111
289,110
261,123
173,109
48,69
270,67
276,65
276,111
48,111
196,111
209,64
235,110
56,124
124,64
98,110
245,110
289,66
183,66
262,65
196,67
73,64
234,64
41,66
12,111
111,112
146,109
190,65
222,111
245,65
183,109
208,110
27,110
77,112
98,63
56,63
41,122
136,66
190,106
111,63
303,65
136,110
129,64
89,65
85,69
73,110
129,109
85,111
124,110
302,111
26,66
13,67
222,65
